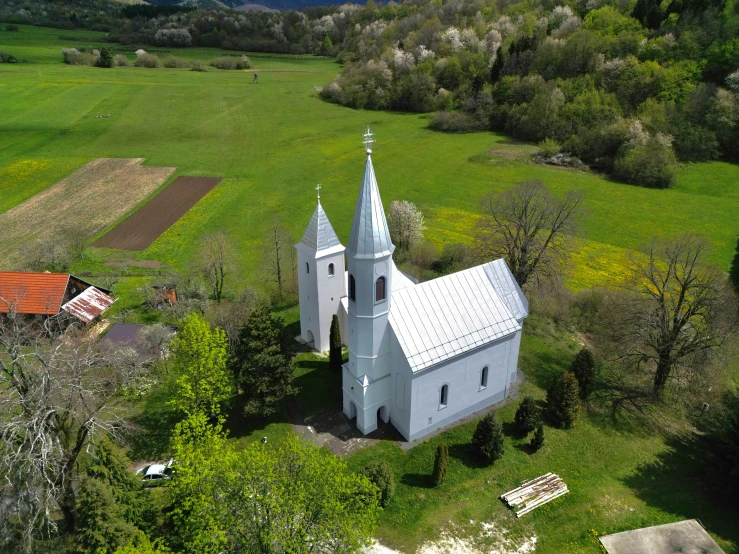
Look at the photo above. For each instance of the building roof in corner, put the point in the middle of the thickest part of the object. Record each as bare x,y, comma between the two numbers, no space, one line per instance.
32,293
446,317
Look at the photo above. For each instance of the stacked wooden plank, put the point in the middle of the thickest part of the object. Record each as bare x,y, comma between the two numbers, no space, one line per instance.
534,493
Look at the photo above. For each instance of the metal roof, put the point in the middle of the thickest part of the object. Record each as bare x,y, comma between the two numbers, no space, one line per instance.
32,293
507,288
400,280
124,334
319,235
370,236
443,318
682,537
89,304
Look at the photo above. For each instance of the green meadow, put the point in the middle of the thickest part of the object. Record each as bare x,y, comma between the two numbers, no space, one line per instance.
272,143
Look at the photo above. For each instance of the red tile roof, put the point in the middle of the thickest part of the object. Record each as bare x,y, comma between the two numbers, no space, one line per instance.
32,293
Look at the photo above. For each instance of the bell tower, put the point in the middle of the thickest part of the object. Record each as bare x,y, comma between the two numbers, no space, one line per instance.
321,279
366,380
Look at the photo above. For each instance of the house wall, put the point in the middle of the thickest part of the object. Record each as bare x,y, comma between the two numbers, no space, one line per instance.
463,376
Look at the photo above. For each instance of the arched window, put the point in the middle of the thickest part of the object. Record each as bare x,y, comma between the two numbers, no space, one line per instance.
443,396
484,377
380,289
307,267
352,288
331,270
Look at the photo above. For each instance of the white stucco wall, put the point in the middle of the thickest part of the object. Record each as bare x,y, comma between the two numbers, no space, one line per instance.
462,375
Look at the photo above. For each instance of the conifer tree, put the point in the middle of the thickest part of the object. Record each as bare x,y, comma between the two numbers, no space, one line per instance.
563,401
537,441
487,441
262,367
527,416
106,59
441,464
583,368
101,525
335,357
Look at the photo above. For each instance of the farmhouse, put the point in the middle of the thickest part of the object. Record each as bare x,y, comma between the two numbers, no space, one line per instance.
52,294
421,356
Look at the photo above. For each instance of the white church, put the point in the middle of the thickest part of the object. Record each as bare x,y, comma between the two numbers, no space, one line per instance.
421,355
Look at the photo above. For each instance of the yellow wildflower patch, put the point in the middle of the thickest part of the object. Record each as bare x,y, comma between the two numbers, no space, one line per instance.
21,171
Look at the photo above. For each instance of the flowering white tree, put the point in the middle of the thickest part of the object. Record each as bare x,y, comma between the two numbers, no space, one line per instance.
406,224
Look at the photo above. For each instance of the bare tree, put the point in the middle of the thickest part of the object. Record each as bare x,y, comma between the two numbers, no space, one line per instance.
156,339
526,226
679,313
232,316
406,224
217,258
58,394
279,258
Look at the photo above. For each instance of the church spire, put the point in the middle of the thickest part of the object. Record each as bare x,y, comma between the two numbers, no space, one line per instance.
370,236
319,235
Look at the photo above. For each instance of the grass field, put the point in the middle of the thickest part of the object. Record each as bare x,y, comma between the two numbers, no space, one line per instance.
273,142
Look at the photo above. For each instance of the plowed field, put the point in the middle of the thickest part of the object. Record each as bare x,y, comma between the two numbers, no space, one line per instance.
143,227
89,200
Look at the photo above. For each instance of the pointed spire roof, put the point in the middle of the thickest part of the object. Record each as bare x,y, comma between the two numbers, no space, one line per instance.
319,235
370,237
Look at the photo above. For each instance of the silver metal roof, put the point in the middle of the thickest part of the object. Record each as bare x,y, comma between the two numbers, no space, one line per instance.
507,288
370,236
443,318
319,235
89,304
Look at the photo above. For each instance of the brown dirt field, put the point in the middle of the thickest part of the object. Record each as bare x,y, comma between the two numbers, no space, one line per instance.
90,199
159,214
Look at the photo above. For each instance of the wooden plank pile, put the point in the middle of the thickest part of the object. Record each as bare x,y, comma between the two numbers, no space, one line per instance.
534,493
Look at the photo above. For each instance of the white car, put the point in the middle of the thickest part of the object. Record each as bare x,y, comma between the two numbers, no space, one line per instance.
155,472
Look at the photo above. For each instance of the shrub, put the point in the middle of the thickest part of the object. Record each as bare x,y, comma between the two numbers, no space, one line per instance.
173,37
12,28
441,464
72,56
382,476
563,401
487,441
456,257
231,62
7,58
455,122
583,368
548,148
335,356
537,441
105,59
147,60
173,62
527,416
119,60
197,66
652,164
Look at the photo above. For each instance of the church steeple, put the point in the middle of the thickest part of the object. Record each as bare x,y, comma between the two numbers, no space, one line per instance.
370,236
319,235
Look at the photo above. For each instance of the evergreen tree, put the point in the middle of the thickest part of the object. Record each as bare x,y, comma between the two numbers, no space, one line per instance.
537,441
497,68
262,367
563,401
583,368
527,416
106,59
648,13
382,476
101,524
487,441
335,356
441,464
112,470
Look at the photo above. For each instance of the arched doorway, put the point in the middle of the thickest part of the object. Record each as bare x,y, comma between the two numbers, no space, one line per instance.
382,415
310,339
352,410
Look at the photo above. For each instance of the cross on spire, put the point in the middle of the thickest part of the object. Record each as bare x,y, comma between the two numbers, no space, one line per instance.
318,188
368,139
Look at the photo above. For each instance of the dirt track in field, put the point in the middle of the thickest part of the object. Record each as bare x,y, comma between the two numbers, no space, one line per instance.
86,202
159,214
